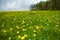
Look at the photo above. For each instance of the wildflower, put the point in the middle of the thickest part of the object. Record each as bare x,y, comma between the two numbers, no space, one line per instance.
37,27
34,30
23,22
34,35
23,37
57,25
17,32
17,27
11,29
12,22
3,25
30,27
9,38
29,39
31,22
23,29
4,31
19,36
27,24
47,24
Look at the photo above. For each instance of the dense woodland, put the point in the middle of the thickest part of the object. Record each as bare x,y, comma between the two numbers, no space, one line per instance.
46,5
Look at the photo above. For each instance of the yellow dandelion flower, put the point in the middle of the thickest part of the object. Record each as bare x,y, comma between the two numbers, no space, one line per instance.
59,30
29,39
31,22
23,37
12,22
23,22
9,38
34,35
27,24
57,25
30,27
3,25
17,27
11,29
17,32
23,29
4,31
34,30
37,27
47,24
19,37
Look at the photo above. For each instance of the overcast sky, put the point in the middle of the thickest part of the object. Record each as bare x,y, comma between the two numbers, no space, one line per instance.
17,4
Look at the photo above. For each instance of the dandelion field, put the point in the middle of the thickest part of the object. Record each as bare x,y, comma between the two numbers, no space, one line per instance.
30,25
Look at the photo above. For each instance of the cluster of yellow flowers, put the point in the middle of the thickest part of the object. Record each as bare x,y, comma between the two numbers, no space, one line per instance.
17,27
38,27
22,37
23,22
25,29
21,31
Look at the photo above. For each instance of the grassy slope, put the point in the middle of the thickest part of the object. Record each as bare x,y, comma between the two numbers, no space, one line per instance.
30,25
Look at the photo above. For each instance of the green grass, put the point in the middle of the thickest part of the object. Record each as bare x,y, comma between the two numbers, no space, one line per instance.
30,25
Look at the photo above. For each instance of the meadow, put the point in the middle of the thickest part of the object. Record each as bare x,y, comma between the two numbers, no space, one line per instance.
30,25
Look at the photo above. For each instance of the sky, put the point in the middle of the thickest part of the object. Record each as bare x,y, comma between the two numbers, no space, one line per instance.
17,4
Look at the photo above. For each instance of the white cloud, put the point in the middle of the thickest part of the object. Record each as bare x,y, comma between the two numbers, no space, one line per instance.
11,5
35,1
43,0
19,4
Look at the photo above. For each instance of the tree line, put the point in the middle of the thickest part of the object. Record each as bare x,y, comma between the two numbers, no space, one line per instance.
46,5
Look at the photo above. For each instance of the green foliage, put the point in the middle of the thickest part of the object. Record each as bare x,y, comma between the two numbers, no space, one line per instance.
46,5
30,25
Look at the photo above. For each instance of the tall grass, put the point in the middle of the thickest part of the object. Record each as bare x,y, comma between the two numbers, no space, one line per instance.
30,25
